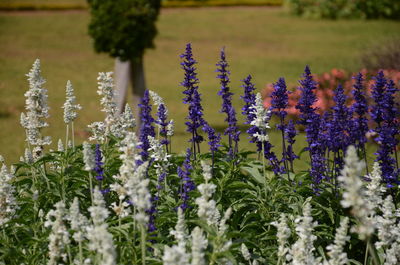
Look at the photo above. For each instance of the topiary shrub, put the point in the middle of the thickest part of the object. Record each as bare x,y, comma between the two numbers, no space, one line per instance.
123,28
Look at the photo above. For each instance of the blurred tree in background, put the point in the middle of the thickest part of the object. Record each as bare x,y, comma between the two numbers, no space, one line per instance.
333,9
125,29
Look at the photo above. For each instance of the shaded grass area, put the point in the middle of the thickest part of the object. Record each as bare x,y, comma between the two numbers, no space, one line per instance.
264,42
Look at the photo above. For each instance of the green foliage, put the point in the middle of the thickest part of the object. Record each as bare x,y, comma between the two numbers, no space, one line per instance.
256,200
123,28
336,9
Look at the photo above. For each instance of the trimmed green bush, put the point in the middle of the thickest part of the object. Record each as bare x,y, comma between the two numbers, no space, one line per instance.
125,28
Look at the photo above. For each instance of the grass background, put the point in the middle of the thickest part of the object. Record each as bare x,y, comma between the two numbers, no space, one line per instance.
82,4
262,41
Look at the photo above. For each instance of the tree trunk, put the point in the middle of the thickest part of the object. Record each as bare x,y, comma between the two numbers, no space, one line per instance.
122,80
138,87
130,72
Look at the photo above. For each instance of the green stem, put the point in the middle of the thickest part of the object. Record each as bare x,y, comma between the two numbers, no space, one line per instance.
80,253
72,135
143,244
91,186
366,253
69,254
370,249
66,138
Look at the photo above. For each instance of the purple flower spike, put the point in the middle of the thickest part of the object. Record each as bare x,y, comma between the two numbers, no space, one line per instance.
152,213
214,139
387,136
192,97
384,155
187,185
99,164
279,102
249,99
162,121
232,131
378,94
311,121
280,98
360,110
147,128
340,129
290,134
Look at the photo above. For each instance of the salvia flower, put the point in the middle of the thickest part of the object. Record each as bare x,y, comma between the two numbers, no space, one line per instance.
98,158
175,255
261,118
98,131
138,191
160,159
8,202
187,184
290,134
70,107
78,222
279,103
180,232
387,139
192,97
311,121
307,116
392,256
101,130
214,138
249,99
224,243
339,128
360,109
100,240
378,94
129,155
147,128
336,250
308,98
260,124
354,195
375,190
59,236
88,157
60,146
162,114
283,234
223,74
280,99
105,89
124,123
207,206
199,245
170,128
386,224
388,130
245,252
340,121
36,107
302,251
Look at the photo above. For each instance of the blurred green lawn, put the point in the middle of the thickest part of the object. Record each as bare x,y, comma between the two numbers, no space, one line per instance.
264,42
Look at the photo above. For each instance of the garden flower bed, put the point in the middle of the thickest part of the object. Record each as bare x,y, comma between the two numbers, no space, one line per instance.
125,198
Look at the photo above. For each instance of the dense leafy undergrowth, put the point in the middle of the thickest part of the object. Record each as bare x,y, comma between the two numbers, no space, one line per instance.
126,199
